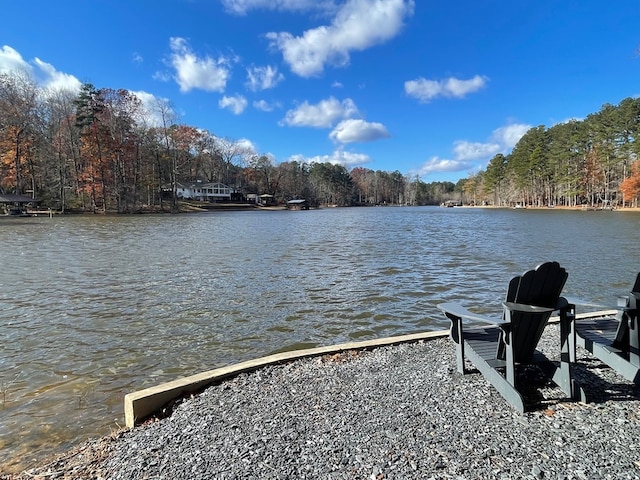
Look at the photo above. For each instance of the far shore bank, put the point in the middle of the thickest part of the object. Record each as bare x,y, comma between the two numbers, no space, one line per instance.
197,207
558,207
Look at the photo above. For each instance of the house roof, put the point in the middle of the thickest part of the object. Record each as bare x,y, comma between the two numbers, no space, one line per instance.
199,184
6,198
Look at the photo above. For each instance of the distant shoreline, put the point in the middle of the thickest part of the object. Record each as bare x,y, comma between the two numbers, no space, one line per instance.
559,207
228,207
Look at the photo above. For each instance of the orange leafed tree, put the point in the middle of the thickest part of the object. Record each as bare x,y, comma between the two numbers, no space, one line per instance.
18,108
8,159
630,186
109,169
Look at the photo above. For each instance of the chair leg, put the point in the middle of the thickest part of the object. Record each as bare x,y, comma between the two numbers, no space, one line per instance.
572,335
510,373
456,335
634,341
564,376
497,380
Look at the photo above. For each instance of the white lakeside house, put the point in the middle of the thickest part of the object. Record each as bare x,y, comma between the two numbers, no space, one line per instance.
205,192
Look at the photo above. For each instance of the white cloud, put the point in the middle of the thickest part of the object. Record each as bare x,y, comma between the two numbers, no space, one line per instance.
436,164
464,150
263,78
161,76
56,80
265,106
338,157
192,72
246,145
469,156
322,115
241,7
510,135
358,25
43,73
154,108
236,104
149,100
11,61
355,130
426,90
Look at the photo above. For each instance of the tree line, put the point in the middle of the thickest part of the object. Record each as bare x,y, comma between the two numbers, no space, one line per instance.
592,162
100,150
97,150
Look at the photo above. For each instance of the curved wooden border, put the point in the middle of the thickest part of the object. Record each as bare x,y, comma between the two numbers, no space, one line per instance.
143,403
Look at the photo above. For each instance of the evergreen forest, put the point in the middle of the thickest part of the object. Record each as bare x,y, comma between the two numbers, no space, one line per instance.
99,151
590,162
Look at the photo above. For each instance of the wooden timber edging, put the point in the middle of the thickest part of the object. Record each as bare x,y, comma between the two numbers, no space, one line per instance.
144,403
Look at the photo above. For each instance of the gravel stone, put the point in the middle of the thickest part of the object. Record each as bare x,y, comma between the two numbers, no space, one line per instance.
397,412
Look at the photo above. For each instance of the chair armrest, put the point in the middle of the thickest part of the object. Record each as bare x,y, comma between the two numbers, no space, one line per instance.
458,311
563,304
522,307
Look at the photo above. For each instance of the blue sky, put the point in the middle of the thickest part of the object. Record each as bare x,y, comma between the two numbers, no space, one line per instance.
428,88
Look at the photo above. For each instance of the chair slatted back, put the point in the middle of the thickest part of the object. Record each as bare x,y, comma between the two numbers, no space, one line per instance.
636,285
540,287
631,303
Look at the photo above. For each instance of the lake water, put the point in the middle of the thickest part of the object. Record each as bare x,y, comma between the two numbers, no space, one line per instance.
94,307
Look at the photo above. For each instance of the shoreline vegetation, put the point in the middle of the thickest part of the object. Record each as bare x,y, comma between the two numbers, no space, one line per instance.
88,151
200,207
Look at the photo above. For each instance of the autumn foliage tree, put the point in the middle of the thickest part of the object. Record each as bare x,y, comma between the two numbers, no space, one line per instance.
630,186
19,104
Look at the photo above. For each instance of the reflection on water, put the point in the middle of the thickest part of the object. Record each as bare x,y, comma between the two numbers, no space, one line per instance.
92,308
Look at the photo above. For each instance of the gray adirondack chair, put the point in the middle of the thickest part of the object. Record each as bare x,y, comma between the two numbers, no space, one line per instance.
616,340
498,349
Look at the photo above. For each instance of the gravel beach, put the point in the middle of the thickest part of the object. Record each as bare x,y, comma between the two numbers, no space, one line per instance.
397,412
